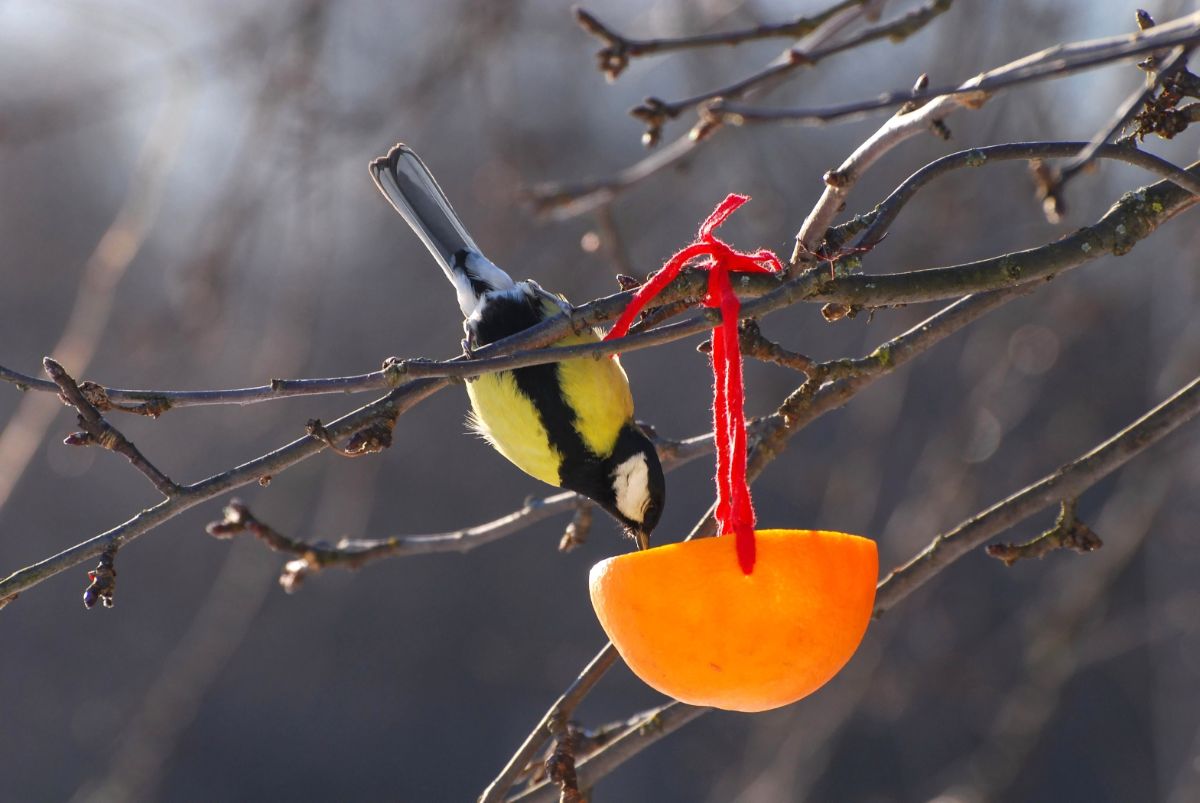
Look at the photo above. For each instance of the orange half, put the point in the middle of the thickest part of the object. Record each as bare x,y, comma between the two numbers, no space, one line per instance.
690,624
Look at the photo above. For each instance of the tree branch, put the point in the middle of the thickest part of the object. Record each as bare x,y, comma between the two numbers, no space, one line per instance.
384,409
1133,218
1057,61
614,57
1122,116
1069,480
355,553
1068,532
562,201
879,220
154,403
656,113
543,731
101,433
839,183
648,728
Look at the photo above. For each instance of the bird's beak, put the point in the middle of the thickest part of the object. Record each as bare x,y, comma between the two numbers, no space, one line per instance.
642,537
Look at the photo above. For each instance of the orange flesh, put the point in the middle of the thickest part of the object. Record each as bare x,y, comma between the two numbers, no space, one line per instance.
690,624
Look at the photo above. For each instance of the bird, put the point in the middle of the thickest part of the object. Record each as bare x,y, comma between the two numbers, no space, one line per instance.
569,424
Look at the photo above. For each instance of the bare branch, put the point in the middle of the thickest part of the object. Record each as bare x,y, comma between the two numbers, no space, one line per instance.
256,470
1069,480
880,219
103,434
647,728
1068,532
614,57
1133,218
563,201
351,553
656,113
1121,117
543,732
154,403
1054,62
756,345
839,183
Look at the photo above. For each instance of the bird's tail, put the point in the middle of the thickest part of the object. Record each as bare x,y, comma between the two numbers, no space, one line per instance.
409,186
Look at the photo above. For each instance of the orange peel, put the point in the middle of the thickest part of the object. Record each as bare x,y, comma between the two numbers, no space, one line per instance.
692,625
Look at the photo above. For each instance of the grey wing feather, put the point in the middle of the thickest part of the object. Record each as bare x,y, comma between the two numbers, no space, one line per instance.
412,190
409,186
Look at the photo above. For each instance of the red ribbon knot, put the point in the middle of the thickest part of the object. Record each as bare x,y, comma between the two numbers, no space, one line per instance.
735,510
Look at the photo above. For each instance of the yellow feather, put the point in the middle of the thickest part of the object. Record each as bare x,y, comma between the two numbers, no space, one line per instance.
596,389
503,415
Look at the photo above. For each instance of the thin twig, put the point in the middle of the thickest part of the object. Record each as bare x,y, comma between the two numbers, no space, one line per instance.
1068,532
755,344
154,403
565,200
648,728
1135,216
880,219
99,432
355,553
1069,480
1057,621
655,112
839,182
614,57
1121,117
561,201
256,470
1058,61
561,710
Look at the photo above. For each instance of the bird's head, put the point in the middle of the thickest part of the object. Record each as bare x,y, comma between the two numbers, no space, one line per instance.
635,491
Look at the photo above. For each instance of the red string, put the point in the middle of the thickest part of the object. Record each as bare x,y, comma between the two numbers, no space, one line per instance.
735,509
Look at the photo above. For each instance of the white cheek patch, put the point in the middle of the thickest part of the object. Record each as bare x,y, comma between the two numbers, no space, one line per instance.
631,485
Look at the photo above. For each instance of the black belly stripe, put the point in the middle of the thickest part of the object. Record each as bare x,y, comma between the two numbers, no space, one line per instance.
581,469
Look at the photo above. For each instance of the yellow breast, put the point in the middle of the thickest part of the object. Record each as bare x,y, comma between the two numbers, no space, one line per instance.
596,389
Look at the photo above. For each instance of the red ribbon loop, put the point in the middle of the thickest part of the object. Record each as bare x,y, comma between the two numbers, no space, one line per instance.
735,509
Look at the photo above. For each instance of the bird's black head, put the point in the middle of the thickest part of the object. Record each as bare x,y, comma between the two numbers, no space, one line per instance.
634,490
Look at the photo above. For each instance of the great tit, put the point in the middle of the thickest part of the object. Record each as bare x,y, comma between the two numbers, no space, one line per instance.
570,423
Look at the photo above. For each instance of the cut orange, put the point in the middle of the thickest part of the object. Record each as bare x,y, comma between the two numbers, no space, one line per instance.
690,624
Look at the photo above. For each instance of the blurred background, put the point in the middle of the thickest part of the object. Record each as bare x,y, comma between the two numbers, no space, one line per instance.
184,203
